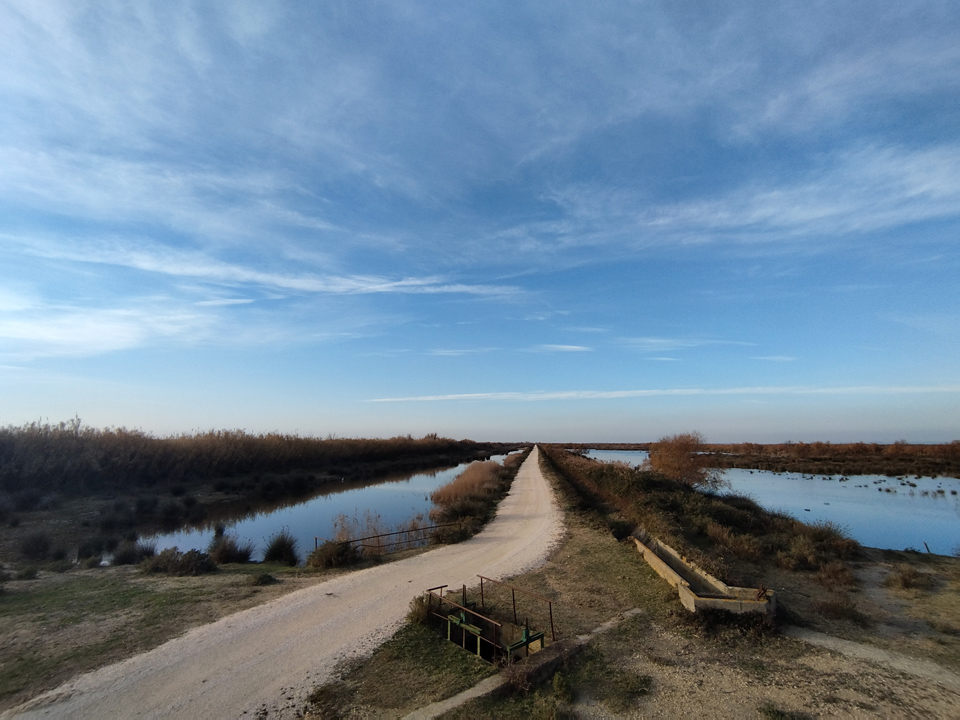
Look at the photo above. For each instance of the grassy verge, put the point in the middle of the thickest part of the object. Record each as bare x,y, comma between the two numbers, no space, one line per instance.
57,626
414,668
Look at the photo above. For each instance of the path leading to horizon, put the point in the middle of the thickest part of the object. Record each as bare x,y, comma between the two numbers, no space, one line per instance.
273,655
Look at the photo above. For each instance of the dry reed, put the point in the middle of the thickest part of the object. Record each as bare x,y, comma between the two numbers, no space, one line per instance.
477,479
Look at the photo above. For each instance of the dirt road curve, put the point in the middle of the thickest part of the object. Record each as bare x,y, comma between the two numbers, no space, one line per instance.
274,654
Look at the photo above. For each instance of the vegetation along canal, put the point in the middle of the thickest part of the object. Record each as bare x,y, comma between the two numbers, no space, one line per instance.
893,513
384,503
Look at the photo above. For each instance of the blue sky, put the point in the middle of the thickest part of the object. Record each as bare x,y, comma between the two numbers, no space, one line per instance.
497,220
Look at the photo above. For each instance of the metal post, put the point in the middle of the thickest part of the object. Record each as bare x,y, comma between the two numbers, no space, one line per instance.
481,593
464,595
553,633
514,594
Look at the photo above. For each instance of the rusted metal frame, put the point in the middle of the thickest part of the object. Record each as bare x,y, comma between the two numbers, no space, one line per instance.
548,601
496,626
519,589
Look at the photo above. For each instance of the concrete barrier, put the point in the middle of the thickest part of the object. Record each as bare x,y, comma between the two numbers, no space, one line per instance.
699,589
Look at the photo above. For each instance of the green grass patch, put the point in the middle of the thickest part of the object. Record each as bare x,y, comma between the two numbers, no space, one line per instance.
412,669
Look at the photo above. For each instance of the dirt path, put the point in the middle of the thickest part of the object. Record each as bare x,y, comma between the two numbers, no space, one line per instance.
270,657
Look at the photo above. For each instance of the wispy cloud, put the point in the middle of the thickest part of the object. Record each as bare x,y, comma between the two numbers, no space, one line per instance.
224,302
154,258
852,191
774,358
935,323
560,349
660,344
58,331
847,192
458,352
678,392
588,329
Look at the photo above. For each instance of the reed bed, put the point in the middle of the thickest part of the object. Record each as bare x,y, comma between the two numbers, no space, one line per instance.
824,458
478,479
346,548
472,497
70,457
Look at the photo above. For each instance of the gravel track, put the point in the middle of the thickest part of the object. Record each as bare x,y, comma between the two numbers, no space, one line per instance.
268,658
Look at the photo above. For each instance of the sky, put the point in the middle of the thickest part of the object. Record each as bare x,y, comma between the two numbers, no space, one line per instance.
563,221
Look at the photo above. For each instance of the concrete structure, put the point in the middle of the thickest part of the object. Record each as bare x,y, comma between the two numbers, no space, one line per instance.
698,589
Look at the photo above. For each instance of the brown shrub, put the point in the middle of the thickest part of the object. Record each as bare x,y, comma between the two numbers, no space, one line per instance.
836,575
907,577
841,607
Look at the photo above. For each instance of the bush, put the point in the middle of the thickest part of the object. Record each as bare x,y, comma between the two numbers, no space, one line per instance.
35,546
173,562
333,554
227,549
131,553
841,607
682,458
419,612
907,577
619,528
263,578
836,575
282,548
453,534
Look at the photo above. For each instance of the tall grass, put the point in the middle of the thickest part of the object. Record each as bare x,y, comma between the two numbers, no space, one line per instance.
282,548
225,549
472,497
478,479
702,525
345,548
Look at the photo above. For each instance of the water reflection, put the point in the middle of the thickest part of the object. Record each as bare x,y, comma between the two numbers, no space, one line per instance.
395,499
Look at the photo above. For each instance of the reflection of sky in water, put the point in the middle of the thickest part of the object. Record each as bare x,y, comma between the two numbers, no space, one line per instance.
631,457
901,518
395,501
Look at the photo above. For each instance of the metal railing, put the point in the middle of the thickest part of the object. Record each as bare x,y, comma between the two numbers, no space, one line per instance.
419,531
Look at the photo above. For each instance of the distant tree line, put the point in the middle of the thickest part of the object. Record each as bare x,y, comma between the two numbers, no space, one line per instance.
860,458
71,458
899,458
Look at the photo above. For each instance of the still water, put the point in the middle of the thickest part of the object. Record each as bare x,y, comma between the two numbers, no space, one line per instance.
877,511
395,500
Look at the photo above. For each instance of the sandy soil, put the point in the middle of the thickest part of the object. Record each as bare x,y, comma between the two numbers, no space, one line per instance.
267,659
